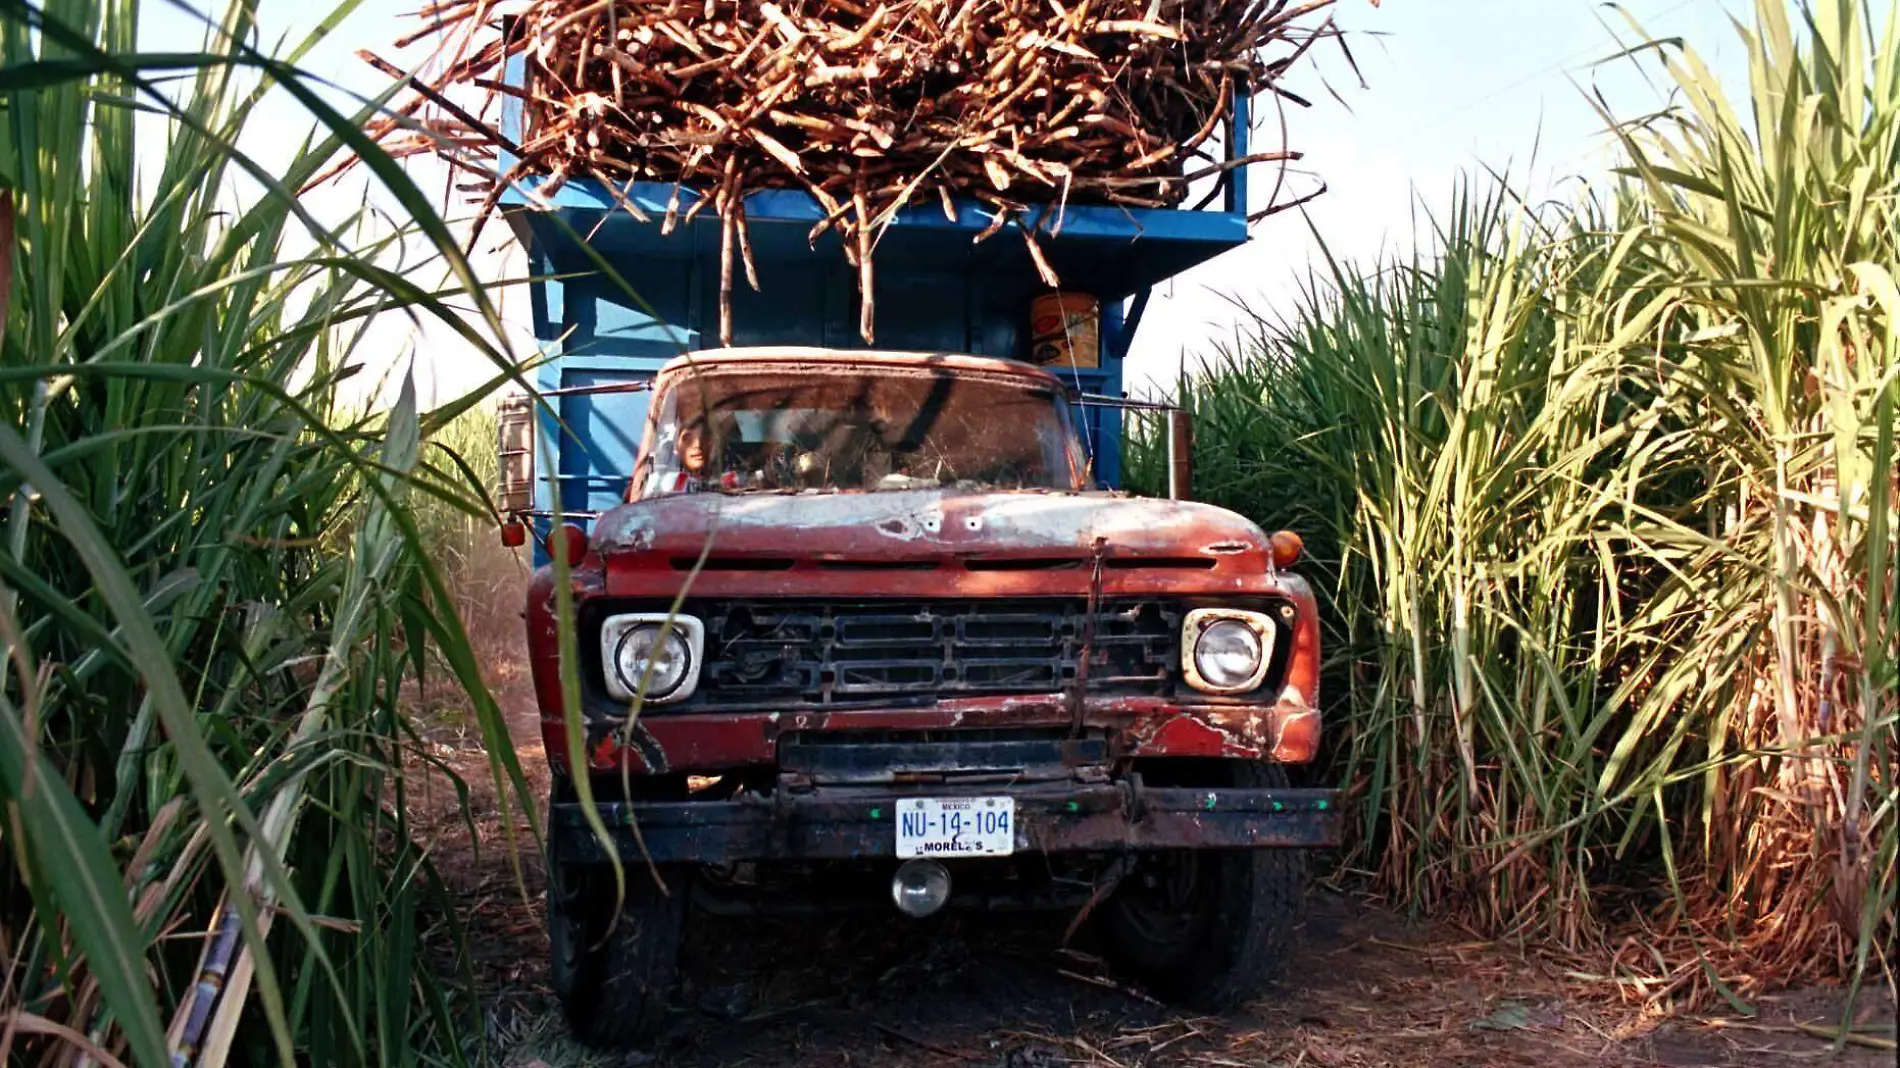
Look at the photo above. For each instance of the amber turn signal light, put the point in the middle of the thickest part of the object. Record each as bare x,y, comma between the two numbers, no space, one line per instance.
1285,548
574,539
514,534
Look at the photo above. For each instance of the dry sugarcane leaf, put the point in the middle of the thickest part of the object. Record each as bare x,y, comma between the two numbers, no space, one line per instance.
1046,272
867,296
998,174
1139,27
745,245
778,151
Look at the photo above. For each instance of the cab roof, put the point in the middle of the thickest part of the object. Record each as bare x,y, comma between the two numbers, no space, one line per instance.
868,359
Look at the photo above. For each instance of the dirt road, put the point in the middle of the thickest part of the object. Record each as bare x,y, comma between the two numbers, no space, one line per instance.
1365,988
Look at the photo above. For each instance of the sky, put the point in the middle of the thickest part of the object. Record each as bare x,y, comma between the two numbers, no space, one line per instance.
1450,86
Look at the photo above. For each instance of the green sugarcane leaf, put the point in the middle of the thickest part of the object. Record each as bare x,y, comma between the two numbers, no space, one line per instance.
70,864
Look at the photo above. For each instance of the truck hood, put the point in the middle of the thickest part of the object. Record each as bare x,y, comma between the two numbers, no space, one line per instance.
932,525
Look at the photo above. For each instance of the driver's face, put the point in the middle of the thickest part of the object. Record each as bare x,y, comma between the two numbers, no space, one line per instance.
693,449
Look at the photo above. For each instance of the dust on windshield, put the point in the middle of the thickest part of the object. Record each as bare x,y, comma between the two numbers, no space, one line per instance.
797,428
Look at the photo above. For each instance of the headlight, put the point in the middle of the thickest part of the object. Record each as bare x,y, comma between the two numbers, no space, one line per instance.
651,663
1226,651
642,654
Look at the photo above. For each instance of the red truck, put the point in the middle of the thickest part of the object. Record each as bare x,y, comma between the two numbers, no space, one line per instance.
864,633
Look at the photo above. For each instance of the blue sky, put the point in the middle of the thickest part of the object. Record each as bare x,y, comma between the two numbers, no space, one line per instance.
1451,85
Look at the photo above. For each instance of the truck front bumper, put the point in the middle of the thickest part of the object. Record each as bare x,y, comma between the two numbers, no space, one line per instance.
859,823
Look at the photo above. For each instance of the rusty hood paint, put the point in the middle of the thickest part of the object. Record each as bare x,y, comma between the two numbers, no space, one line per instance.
926,545
931,524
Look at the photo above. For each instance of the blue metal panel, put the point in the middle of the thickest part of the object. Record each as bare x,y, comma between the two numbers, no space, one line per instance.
602,437
1109,251
792,307
666,300
1239,126
590,440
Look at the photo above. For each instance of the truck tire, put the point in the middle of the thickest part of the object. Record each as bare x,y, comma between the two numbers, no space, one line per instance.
1208,929
614,980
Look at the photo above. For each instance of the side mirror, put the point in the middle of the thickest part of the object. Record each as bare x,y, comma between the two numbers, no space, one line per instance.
1180,454
514,453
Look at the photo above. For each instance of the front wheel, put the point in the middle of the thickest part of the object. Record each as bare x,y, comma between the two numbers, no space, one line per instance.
614,974
1208,928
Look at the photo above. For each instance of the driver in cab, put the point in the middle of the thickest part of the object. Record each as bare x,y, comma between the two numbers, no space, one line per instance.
818,451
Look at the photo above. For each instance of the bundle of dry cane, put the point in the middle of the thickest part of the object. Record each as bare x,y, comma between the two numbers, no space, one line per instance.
871,105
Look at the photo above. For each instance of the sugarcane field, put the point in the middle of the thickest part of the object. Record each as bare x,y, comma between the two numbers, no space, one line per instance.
984,533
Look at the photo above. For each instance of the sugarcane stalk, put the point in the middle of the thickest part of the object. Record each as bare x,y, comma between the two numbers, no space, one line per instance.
1106,101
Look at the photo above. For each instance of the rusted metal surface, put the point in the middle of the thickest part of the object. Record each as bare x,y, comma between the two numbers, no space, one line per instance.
1078,691
808,360
1285,728
855,758
780,654
840,825
1144,727
929,543
1096,582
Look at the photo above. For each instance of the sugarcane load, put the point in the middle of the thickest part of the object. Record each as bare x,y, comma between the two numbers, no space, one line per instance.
869,109
822,625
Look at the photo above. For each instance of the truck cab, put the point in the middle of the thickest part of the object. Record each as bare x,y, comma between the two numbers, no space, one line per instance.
863,628
824,624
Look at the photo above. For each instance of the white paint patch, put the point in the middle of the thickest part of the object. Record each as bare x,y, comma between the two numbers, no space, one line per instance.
625,529
1021,521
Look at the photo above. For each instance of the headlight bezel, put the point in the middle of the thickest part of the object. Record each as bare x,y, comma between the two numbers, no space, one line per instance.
615,629
1196,625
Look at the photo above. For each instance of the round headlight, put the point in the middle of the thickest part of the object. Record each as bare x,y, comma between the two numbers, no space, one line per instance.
1228,653
641,650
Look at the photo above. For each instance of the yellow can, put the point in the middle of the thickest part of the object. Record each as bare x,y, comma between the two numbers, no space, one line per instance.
1065,330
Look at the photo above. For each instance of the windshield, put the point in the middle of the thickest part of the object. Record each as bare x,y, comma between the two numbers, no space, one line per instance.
750,429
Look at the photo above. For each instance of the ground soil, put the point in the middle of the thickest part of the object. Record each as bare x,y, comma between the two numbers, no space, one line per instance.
1365,986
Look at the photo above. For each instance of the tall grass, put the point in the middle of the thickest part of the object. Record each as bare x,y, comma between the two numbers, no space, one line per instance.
485,580
211,579
1606,496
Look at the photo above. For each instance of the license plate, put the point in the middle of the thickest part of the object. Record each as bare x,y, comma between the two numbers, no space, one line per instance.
956,827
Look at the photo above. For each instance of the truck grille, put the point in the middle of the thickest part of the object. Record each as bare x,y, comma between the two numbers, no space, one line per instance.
841,653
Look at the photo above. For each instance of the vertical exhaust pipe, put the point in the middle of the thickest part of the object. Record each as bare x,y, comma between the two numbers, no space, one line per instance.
1180,454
